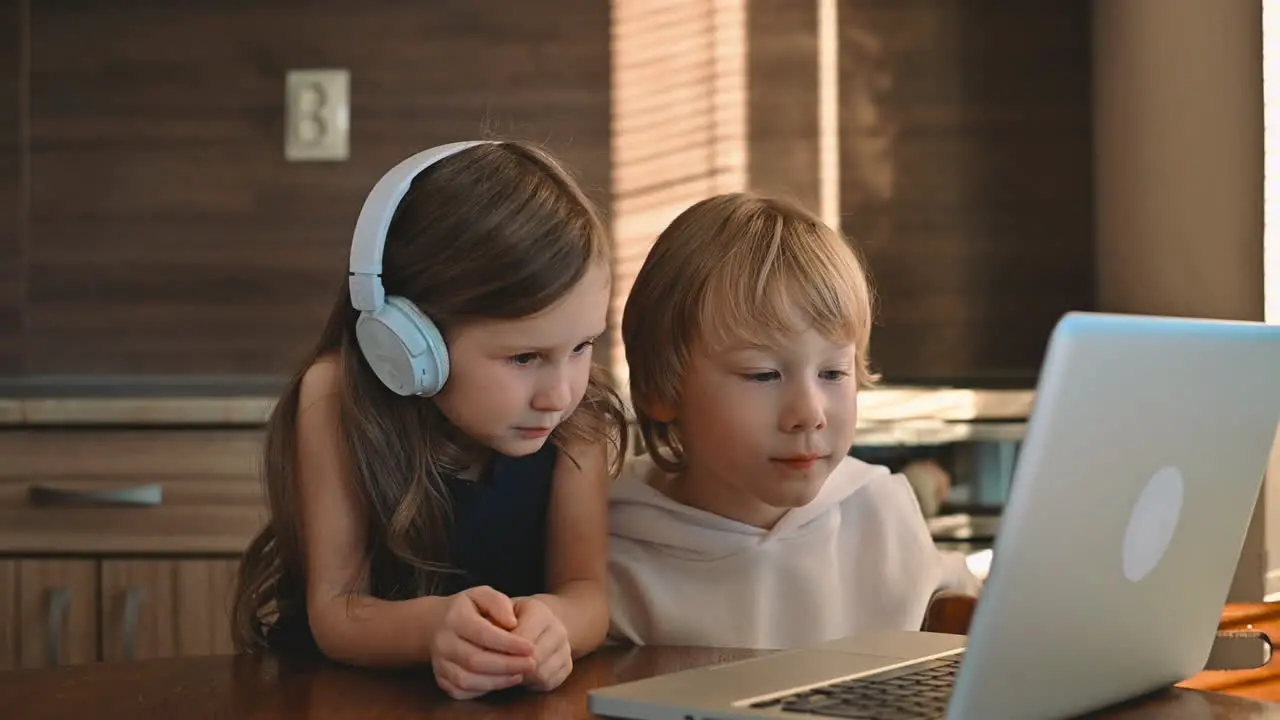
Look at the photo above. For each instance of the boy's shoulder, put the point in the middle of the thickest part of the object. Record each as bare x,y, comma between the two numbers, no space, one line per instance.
876,484
875,477
638,472
856,486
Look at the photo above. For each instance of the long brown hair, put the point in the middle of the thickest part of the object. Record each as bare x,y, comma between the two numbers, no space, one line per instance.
496,231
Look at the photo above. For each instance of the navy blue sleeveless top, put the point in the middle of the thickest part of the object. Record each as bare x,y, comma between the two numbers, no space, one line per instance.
499,538
500,525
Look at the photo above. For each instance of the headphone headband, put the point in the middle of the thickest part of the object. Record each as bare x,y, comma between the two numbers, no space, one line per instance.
379,207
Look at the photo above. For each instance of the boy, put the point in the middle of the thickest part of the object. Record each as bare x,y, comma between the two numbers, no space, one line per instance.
747,524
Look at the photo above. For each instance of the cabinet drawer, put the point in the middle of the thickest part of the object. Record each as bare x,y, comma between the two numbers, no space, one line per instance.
125,491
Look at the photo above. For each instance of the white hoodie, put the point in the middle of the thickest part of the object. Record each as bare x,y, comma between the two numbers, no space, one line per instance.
857,558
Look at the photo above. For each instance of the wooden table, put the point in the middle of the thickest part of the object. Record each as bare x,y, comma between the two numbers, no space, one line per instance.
226,687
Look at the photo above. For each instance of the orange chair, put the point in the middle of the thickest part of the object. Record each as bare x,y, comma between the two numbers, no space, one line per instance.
950,613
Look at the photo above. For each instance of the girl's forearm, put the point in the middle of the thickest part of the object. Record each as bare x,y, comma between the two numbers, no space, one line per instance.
369,632
583,607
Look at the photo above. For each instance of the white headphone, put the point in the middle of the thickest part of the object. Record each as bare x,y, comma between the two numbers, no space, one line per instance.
401,344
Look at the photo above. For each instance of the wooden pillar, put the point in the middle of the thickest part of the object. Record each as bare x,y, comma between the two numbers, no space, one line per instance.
1179,173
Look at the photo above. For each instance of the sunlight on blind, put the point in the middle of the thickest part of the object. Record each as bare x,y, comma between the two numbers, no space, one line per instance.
679,99
1271,153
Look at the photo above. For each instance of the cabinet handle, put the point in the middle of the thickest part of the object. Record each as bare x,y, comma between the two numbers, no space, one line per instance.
56,617
134,597
136,496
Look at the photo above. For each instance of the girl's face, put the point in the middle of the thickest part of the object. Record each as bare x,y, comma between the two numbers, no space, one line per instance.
511,382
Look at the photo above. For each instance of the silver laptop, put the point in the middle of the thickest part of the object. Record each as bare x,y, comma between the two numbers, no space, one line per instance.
1142,462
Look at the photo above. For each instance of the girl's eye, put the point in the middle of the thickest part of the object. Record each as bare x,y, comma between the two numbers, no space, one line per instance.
833,375
524,359
583,347
762,376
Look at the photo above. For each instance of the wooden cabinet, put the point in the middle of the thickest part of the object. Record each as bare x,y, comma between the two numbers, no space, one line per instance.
121,544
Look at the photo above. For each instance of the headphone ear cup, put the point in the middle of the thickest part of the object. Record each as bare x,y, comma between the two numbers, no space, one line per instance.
404,348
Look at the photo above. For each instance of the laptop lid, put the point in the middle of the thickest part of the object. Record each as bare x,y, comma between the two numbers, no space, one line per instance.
1133,491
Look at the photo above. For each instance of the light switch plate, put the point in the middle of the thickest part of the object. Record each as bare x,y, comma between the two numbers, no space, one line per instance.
317,115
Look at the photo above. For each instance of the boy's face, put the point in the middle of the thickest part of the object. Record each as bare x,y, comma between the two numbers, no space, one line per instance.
763,427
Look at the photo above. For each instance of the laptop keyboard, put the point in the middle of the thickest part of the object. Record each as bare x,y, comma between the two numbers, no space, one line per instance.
906,693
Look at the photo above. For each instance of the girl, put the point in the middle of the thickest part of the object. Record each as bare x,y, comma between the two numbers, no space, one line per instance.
436,471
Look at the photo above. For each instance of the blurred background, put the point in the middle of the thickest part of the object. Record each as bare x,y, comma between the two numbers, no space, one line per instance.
179,182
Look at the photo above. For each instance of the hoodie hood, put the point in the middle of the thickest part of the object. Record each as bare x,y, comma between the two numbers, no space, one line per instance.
640,513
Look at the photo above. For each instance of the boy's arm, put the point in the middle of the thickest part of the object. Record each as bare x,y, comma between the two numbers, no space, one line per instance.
951,606
956,575
577,546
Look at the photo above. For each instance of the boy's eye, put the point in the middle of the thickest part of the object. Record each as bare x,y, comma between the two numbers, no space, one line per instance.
833,375
524,358
762,376
583,347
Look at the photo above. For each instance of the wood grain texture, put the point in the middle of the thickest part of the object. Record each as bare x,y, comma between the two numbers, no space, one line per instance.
966,179
12,236
184,608
265,688
782,100
211,494
10,632
77,640
168,233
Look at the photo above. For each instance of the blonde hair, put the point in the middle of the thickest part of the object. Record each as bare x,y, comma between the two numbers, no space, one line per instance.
736,268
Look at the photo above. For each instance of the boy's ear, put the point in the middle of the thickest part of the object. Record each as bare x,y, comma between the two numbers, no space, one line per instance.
661,411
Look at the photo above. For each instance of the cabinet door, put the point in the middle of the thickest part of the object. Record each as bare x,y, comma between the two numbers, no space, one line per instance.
166,608
9,658
57,612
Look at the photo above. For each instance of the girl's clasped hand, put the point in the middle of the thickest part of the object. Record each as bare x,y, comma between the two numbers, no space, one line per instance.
489,642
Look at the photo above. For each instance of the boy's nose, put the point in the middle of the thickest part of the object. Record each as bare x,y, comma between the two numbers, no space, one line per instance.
804,411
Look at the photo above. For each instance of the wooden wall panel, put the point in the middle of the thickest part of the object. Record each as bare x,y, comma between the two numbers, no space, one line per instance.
782,100
966,178
12,43
168,234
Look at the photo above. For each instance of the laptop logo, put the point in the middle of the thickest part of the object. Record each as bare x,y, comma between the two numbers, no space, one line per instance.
1152,523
